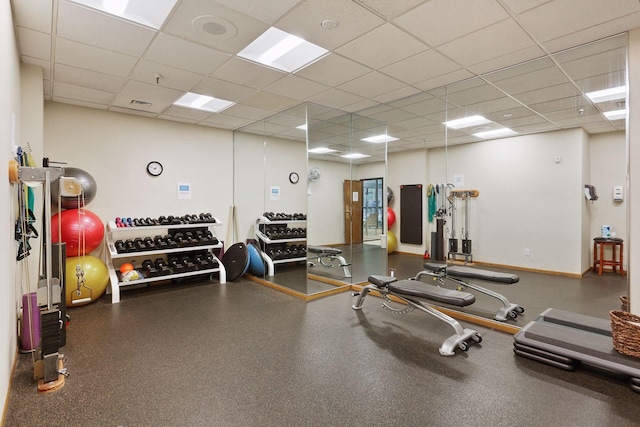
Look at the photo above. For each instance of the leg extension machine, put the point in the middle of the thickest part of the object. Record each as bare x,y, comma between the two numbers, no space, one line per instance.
405,289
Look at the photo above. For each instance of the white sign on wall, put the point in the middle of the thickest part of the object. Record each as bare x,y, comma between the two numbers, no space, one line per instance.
184,190
275,193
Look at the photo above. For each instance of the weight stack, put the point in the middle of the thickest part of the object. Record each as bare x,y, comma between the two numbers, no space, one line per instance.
453,245
59,251
466,246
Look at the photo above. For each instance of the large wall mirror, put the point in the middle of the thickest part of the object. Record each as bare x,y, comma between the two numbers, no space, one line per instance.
537,140
305,182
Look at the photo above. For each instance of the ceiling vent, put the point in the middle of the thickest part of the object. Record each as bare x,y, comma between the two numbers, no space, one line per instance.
140,103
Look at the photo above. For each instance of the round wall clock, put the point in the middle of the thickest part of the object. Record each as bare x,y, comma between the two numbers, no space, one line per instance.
154,168
294,177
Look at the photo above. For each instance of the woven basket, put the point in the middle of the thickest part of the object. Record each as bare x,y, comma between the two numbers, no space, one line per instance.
624,303
625,329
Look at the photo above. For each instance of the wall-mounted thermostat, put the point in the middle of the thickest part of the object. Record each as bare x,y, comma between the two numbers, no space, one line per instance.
618,193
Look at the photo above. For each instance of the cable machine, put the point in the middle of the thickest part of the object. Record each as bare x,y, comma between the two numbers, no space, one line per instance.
454,252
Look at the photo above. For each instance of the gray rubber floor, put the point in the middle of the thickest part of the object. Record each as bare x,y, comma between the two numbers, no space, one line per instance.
242,354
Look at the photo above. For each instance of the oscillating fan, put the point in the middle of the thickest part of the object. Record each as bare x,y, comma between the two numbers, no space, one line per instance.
314,174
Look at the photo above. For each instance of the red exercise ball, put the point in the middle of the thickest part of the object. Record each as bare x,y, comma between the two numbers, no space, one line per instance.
391,217
81,230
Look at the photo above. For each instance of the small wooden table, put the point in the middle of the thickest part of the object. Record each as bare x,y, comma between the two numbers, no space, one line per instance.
599,243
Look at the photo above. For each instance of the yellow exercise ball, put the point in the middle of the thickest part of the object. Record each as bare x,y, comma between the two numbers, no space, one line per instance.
96,278
392,242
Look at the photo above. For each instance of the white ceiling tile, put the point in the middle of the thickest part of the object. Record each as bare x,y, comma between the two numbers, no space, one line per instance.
519,6
444,80
246,73
390,9
305,20
516,57
439,21
34,43
269,101
225,121
296,87
247,112
606,29
86,78
92,58
336,98
549,21
420,67
266,11
480,46
70,91
33,14
94,28
185,55
171,77
371,84
159,97
393,95
223,90
177,119
333,70
185,113
382,46
191,18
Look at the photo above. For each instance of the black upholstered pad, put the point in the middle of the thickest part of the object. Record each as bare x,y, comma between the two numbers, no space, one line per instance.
462,271
323,250
420,289
577,321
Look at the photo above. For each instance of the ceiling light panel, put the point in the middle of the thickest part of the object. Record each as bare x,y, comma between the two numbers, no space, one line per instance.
203,102
281,50
610,94
495,133
151,13
355,156
466,122
322,150
378,139
616,114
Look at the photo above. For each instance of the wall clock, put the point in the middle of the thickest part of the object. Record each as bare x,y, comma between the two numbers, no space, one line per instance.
294,177
154,168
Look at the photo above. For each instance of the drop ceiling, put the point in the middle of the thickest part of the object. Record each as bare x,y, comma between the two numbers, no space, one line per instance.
510,60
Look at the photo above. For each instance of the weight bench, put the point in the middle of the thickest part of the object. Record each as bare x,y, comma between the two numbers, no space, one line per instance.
457,274
405,290
564,340
322,253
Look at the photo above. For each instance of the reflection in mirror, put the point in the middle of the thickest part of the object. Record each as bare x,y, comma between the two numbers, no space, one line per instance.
514,178
342,157
306,214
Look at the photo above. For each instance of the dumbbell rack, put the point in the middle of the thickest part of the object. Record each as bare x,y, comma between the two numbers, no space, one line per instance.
263,241
115,259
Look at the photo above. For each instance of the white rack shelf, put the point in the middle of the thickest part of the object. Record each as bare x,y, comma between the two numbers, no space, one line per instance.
115,284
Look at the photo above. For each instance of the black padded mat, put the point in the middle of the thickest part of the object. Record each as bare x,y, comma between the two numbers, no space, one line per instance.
411,214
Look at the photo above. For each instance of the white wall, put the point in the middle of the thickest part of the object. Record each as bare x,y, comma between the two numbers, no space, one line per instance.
608,169
325,205
9,136
115,149
528,201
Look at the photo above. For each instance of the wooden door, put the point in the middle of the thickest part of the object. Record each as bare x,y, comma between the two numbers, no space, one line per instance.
352,211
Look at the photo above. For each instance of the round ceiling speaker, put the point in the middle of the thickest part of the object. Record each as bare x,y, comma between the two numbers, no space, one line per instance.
209,25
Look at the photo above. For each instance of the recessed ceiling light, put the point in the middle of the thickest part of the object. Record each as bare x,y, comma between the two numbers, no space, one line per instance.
322,150
616,114
151,13
355,156
281,50
466,122
610,94
203,102
495,133
302,127
377,139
